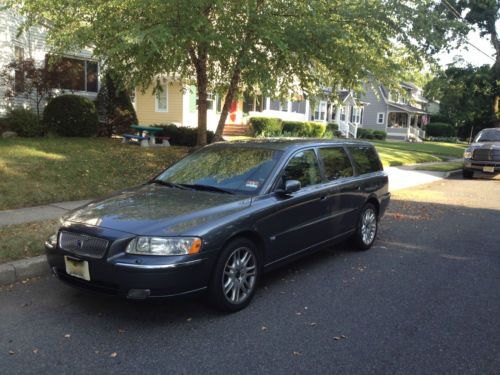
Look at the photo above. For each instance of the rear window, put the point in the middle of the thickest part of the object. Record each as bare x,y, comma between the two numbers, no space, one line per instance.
365,159
336,163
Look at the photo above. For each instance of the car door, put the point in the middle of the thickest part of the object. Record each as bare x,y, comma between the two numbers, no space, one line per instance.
342,189
299,221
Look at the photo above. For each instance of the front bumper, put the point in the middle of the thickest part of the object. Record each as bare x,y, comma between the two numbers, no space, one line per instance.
138,277
478,165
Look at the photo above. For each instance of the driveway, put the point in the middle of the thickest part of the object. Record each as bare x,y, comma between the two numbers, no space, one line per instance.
426,299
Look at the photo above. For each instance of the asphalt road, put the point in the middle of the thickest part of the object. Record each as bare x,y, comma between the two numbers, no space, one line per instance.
425,299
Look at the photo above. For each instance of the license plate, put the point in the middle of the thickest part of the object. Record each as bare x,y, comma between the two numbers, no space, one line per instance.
77,268
489,169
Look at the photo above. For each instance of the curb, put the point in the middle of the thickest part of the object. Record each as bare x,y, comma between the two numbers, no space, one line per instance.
452,173
19,270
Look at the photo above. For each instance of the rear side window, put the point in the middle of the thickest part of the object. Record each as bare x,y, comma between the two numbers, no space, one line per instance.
303,166
336,163
365,159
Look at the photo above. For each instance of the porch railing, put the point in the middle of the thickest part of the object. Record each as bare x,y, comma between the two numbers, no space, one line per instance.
348,129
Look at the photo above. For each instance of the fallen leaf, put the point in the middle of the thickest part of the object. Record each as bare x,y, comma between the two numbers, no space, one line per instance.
189,319
263,328
113,355
312,324
67,336
297,353
35,351
11,352
298,313
121,331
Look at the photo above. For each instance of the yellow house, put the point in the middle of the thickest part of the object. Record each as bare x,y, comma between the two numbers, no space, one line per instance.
176,104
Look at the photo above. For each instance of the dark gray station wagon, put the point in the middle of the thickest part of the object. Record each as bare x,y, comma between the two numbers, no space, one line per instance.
220,217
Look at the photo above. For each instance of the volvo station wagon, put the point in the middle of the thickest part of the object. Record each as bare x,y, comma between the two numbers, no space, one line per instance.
219,218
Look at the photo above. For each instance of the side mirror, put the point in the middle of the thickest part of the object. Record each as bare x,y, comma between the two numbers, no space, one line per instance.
291,186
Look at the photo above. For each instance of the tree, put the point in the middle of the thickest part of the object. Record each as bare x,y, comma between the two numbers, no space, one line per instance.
485,14
273,47
114,106
24,79
465,95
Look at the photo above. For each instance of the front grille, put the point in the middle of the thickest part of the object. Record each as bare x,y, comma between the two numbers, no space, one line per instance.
486,154
82,244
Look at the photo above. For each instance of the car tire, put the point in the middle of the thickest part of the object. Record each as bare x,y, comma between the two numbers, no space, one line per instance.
467,174
236,275
367,227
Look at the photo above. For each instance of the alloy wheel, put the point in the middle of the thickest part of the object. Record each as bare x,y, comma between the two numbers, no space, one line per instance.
239,277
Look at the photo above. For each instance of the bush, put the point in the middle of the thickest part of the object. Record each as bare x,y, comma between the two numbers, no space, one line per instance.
317,130
332,126
380,134
182,135
440,129
114,107
24,122
366,133
295,128
266,126
438,117
71,116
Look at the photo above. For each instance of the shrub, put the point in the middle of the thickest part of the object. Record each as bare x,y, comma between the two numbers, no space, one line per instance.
24,122
366,134
115,109
266,126
438,117
332,126
380,134
295,128
440,129
182,135
317,130
443,139
71,116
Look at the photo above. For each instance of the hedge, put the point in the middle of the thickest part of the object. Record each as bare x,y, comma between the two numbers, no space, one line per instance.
24,122
266,126
182,135
71,116
303,129
440,129
371,134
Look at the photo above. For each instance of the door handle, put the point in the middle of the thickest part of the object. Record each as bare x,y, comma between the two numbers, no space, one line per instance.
323,198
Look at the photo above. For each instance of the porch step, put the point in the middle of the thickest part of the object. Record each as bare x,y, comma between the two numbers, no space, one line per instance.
235,129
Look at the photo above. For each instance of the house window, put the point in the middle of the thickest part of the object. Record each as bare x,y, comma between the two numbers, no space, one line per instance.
320,112
277,105
161,102
75,74
342,113
210,101
19,73
356,115
381,118
299,106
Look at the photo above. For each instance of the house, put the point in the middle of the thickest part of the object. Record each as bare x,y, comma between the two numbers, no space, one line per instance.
176,103
32,44
401,113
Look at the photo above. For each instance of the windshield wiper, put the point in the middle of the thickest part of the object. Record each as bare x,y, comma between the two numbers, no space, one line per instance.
207,188
167,183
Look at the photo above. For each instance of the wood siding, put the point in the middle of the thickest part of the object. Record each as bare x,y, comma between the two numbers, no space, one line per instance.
146,111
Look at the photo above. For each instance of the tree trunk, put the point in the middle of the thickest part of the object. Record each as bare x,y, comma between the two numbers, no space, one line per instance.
496,78
235,80
200,62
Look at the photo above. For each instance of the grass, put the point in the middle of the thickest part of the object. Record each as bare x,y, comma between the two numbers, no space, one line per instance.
441,167
25,240
404,153
46,170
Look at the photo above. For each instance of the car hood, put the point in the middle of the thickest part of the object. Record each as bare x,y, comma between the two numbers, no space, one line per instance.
157,210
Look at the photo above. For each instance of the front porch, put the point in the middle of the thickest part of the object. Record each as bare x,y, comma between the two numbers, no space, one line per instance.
406,126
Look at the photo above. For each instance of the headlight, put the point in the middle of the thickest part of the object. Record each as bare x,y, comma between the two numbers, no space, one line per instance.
52,240
468,154
164,246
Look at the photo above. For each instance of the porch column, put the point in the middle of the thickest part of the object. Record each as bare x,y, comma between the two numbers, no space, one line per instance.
408,120
416,121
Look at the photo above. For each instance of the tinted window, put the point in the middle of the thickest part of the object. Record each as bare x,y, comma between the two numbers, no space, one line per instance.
303,166
365,159
336,162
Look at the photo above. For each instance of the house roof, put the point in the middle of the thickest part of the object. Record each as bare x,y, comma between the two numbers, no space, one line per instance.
406,108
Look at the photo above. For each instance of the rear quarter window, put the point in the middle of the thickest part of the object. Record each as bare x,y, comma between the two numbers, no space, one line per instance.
336,163
365,159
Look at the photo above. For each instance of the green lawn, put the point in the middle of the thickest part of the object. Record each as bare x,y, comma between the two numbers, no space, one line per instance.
403,153
47,170
25,240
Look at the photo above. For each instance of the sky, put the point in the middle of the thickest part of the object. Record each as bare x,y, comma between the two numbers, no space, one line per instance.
470,54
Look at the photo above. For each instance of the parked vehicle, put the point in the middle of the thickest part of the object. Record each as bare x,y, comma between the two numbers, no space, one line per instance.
483,155
220,217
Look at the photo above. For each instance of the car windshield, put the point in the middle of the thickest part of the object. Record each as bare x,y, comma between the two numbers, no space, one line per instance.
488,135
224,169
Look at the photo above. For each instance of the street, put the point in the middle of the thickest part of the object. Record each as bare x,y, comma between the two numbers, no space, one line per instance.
425,299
